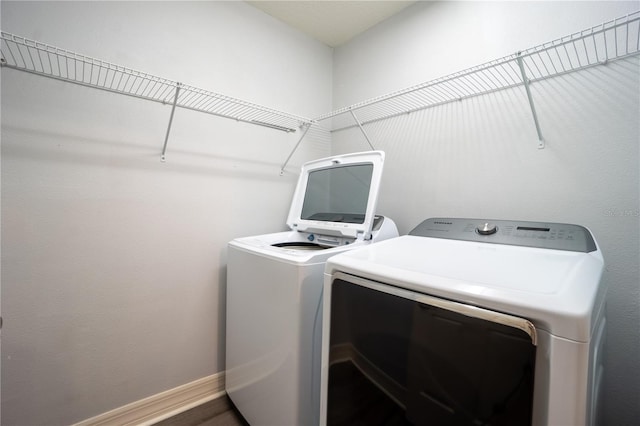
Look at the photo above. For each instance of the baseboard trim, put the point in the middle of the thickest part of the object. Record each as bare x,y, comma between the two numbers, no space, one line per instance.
163,405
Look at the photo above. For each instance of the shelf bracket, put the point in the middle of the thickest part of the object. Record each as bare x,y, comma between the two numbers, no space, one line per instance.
526,82
173,110
306,126
362,129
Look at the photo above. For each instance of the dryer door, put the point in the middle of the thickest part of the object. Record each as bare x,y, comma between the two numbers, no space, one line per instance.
424,360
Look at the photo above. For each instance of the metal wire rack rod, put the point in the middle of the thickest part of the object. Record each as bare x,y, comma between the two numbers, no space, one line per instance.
440,93
426,98
453,77
417,108
497,77
67,66
173,110
531,103
600,44
221,105
463,86
305,128
451,92
480,82
396,105
362,129
38,58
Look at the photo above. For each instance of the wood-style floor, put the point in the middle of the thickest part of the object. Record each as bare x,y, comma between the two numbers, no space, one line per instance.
353,401
219,412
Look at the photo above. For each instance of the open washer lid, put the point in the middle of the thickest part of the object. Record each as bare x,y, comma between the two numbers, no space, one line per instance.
338,195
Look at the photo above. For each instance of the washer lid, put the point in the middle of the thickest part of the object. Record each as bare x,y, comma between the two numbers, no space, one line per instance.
338,195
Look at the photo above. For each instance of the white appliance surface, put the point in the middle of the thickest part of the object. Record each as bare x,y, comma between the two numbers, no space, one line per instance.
558,290
354,185
274,289
554,289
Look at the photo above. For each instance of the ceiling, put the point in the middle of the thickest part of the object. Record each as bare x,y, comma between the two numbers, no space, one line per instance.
329,21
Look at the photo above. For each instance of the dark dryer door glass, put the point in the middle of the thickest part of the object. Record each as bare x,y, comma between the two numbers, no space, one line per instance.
399,361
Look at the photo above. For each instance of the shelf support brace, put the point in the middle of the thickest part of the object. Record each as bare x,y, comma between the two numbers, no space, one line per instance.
526,82
304,132
362,129
173,109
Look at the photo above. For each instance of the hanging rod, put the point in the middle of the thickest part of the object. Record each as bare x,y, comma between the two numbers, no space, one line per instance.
612,40
42,59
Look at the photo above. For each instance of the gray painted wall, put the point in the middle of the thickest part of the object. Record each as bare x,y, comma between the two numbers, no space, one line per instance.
113,263
479,157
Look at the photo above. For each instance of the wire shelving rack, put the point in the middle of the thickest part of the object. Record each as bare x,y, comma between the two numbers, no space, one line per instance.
612,40
22,54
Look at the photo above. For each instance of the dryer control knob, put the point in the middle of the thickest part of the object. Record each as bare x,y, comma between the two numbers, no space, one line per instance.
487,229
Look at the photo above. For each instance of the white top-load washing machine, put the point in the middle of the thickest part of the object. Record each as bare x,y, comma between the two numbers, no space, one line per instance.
466,322
274,289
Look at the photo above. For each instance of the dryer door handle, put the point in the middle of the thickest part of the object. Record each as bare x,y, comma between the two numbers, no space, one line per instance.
461,308
481,313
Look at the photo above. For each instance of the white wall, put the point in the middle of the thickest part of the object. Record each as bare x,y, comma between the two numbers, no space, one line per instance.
479,157
113,263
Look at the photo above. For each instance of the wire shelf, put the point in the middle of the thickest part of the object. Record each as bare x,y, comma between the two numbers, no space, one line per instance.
615,39
42,59
612,40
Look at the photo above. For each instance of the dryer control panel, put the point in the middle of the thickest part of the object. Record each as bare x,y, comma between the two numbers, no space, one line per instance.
558,236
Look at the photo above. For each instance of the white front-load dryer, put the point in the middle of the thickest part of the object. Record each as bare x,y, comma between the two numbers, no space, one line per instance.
274,289
466,322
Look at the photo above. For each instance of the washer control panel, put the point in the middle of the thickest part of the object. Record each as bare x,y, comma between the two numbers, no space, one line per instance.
557,236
